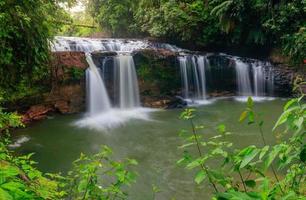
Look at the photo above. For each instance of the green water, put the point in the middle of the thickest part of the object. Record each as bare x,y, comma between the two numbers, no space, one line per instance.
57,142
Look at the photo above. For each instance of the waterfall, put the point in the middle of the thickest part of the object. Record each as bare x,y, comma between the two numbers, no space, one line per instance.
263,80
184,76
253,78
243,78
128,83
98,100
193,76
202,61
259,80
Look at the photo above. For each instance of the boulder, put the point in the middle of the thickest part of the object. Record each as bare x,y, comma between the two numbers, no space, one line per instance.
67,99
157,53
70,59
98,54
177,102
35,113
62,106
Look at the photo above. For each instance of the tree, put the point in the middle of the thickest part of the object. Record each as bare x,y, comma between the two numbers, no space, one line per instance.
26,30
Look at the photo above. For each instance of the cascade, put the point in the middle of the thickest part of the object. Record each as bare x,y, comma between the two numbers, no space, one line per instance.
252,78
193,76
202,63
80,44
97,96
263,80
127,82
184,76
243,78
259,80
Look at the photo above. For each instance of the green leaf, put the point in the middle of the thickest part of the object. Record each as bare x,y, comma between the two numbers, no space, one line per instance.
4,195
271,156
12,185
251,117
299,123
9,171
200,176
221,128
194,163
186,145
289,103
283,118
263,152
303,155
250,102
249,157
132,162
250,183
243,116
236,195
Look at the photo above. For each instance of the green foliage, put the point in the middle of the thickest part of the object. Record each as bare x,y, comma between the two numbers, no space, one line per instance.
223,23
80,24
252,164
158,73
114,15
9,120
26,30
92,177
294,45
75,74
277,23
85,181
20,180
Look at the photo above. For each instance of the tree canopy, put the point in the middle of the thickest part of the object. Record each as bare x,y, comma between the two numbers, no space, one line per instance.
266,23
26,30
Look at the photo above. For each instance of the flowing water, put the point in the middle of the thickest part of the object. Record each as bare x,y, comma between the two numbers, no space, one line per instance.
243,78
128,83
97,96
193,76
253,77
152,141
149,136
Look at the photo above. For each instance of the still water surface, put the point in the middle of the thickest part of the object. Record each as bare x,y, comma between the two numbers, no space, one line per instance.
153,143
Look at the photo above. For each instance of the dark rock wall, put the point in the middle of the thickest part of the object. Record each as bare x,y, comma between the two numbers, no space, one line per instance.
159,80
67,94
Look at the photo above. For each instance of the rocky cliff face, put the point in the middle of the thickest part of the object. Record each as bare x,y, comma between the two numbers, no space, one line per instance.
158,75
67,92
68,82
159,80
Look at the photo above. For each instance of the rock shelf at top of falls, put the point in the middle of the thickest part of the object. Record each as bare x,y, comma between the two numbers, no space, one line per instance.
61,43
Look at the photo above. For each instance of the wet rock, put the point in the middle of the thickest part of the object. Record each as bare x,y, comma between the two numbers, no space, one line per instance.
177,102
221,94
70,59
67,67
157,53
67,94
98,54
36,113
62,106
67,99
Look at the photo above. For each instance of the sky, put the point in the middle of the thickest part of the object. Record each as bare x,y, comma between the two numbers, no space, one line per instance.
78,8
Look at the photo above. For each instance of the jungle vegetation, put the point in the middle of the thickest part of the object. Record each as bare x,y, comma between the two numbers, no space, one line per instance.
28,26
209,23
